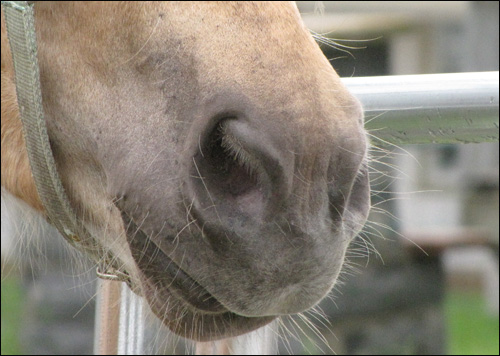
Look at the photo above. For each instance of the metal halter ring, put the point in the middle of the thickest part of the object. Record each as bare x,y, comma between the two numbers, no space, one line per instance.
115,275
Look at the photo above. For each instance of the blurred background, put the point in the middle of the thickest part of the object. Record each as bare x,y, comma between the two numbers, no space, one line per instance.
423,276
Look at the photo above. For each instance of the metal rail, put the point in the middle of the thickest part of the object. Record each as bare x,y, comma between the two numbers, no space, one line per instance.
434,108
431,108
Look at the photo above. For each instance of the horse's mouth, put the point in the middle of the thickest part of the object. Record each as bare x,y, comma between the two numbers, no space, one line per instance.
183,304
165,274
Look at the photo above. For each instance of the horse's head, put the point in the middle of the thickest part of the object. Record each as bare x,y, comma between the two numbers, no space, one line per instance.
211,148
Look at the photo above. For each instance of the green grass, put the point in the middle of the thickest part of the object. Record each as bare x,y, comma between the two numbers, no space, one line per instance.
11,309
471,331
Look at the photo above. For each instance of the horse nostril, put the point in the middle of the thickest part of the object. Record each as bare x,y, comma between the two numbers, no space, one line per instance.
229,178
230,164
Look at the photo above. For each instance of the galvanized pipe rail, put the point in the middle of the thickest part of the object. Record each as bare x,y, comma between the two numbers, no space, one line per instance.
430,108
433,108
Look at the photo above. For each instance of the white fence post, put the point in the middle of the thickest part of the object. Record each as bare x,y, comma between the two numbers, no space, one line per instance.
119,320
107,319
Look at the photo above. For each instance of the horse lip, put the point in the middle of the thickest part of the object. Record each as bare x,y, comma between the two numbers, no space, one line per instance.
196,315
161,272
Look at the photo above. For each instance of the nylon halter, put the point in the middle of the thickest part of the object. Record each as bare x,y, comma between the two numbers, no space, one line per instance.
19,19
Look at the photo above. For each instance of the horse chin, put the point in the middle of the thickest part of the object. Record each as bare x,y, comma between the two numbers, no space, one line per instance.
183,304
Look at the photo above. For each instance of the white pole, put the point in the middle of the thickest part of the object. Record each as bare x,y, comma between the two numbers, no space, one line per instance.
107,317
131,328
119,325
